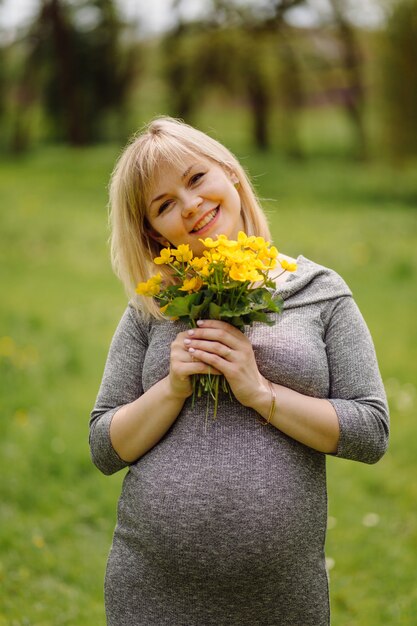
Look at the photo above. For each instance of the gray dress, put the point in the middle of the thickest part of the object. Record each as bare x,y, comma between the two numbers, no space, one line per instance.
226,526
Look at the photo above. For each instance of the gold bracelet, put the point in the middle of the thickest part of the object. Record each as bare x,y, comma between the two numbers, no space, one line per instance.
264,422
274,397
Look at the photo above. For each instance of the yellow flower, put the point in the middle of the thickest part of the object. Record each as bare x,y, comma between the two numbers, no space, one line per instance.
222,240
287,265
272,252
151,287
216,257
237,273
156,279
165,258
208,242
183,253
261,265
244,273
206,271
257,243
192,284
253,275
198,262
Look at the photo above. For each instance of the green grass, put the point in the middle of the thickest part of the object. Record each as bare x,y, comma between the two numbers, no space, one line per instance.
60,304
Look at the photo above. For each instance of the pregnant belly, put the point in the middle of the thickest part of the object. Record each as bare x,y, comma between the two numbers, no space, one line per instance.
210,516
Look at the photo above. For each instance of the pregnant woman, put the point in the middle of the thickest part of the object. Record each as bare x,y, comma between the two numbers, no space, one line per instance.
223,525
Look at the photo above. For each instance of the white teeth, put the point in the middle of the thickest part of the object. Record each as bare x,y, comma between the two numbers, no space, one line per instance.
205,221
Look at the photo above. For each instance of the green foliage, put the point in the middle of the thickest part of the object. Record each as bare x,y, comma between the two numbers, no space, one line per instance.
81,75
59,308
2,81
399,80
77,68
238,307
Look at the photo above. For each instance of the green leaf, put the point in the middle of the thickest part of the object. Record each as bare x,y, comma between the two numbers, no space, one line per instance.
200,310
181,306
259,316
238,322
214,311
278,304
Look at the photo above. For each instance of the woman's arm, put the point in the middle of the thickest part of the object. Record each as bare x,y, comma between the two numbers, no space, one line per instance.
126,421
356,389
352,422
311,421
136,427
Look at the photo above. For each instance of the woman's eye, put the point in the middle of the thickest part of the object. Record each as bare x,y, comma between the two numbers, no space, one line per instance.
196,177
164,206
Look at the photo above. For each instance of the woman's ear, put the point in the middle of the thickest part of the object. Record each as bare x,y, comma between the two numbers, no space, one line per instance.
232,175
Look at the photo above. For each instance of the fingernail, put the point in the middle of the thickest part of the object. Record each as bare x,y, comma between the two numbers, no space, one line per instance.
191,350
191,332
187,341
200,322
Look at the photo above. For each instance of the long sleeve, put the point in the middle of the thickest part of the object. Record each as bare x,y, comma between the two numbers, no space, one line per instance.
356,389
121,384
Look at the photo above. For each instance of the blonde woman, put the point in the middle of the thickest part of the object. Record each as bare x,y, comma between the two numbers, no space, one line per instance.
224,526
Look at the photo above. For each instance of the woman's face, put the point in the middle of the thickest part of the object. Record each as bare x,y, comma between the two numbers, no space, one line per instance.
194,201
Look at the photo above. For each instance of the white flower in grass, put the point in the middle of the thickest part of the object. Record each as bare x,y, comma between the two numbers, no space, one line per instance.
405,398
370,520
401,396
330,563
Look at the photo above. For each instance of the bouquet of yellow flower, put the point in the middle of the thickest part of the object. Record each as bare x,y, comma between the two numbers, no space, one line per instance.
229,282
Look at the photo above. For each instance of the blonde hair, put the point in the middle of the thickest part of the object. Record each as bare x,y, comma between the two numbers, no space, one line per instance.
164,140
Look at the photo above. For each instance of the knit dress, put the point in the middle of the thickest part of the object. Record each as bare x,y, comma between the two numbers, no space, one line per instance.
226,525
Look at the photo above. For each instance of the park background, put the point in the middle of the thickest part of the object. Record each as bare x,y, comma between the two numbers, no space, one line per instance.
318,98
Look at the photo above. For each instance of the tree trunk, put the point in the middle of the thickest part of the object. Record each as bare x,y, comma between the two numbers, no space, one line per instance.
351,58
75,128
259,103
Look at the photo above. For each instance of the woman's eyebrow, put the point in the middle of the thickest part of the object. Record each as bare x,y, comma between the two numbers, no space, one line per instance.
162,195
187,171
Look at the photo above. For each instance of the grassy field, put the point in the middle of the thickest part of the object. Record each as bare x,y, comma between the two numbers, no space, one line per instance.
59,307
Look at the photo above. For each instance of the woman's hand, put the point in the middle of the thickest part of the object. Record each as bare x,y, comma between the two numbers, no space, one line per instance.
311,421
227,351
183,365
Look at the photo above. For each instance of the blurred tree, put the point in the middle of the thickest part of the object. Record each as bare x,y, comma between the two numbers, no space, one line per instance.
2,80
262,23
228,47
2,74
184,84
351,56
22,97
83,69
399,80
291,97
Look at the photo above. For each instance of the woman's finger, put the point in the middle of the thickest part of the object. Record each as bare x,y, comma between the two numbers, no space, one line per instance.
195,367
219,325
214,347
212,359
226,335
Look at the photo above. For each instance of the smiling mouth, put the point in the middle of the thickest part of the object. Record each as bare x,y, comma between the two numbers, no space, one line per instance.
205,221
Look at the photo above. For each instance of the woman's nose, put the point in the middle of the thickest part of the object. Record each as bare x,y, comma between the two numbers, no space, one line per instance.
191,203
